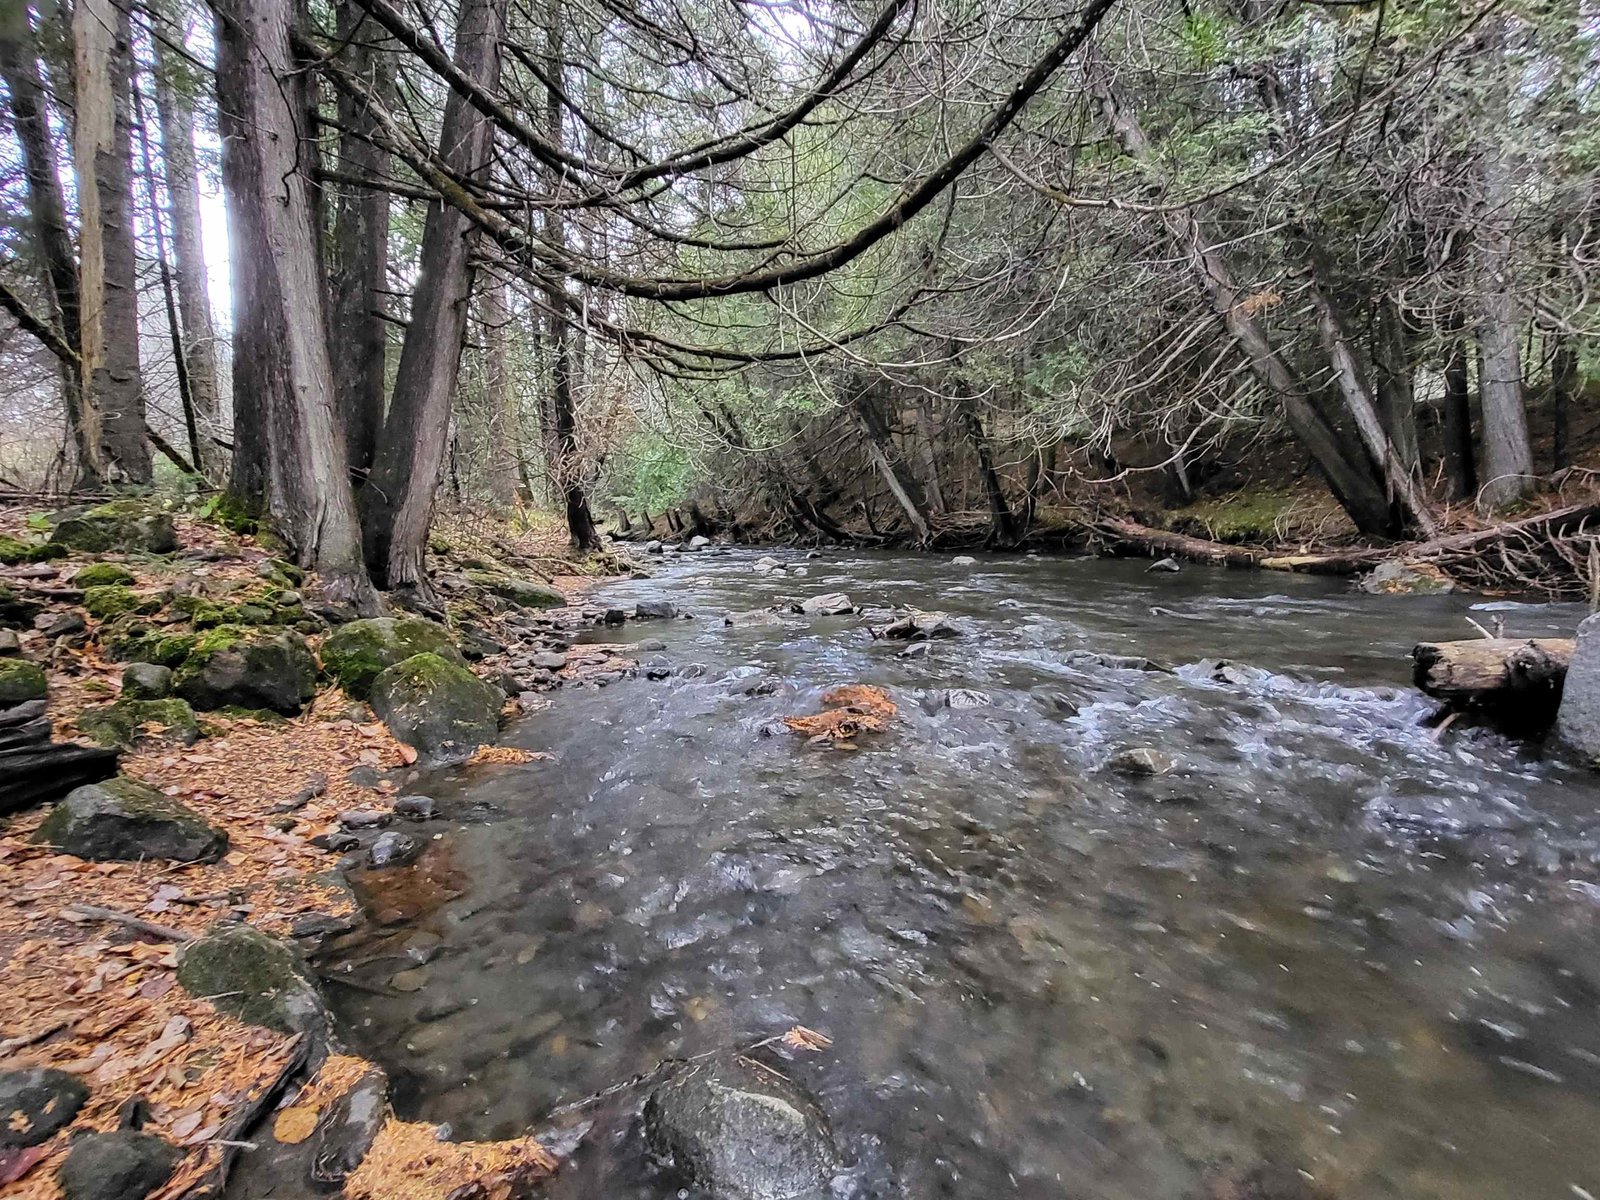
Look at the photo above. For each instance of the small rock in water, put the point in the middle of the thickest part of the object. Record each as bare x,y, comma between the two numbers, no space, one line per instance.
367,818
764,566
755,616
416,808
699,543
1165,565
916,650
35,1103
654,610
738,1132
966,698
1394,578
653,546
799,570
830,604
1578,719
393,849
1141,760
650,645
1115,662
963,560
918,626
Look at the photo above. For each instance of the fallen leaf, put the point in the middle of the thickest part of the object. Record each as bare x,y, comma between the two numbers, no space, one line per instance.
294,1125
802,1038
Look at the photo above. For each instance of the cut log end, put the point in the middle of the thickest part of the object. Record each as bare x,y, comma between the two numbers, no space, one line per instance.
1516,683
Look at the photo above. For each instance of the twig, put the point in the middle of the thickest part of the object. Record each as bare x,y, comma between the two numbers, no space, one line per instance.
95,913
1480,629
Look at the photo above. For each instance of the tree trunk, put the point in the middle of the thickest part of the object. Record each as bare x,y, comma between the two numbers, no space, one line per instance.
361,244
1002,524
504,435
19,69
189,271
113,404
1396,398
1459,467
1563,392
397,502
1348,475
289,456
1507,454
866,401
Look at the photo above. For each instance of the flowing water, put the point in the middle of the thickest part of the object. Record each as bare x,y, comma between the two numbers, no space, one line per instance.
1327,941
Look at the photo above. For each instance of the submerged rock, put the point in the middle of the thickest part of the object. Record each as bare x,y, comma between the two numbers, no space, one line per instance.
247,667
393,849
116,1166
442,710
256,978
35,1103
1141,761
1114,662
1395,578
963,560
751,618
358,652
739,1131
1578,718
124,820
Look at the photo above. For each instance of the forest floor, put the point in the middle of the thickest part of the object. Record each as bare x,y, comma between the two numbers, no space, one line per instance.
90,949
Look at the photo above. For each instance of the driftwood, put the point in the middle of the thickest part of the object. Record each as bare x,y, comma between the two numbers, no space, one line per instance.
1516,682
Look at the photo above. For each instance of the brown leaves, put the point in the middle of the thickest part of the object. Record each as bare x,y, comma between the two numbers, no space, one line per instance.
504,755
801,1038
855,708
409,1162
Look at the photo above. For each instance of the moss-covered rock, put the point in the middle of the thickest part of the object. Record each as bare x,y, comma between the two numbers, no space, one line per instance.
129,720
439,708
101,574
146,681
125,820
117,600
20,681
120,526
122,1165
17,610
355,654
127,640
249,667
255,978
15,550
519,591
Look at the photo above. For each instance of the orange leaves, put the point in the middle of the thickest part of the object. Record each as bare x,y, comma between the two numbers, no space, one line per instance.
801,1038
854,708
409,1162
504,755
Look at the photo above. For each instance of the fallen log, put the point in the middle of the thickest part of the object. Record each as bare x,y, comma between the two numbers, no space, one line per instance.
1515,682
31,775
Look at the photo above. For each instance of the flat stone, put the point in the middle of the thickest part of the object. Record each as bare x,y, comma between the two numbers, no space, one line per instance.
417,808
35,1103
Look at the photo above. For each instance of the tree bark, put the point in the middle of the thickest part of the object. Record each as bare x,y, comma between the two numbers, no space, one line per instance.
397,502
19,69
1563,392
1002,524
866,401
357,330
1507,454
1459,466
190,275
1396,397
113,404
289,455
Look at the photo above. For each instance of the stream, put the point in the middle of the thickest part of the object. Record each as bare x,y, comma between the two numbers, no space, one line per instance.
1328,948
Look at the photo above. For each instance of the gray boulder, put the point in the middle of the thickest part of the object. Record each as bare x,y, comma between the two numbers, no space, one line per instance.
124,820
654,610
126,722
737,1131
830,604
918,626
20,682
35,1103
1166,566
356,653
393,849
116,1166
1396,578
246,667
120,526
698,542
146,681
1578,718
439,708
653,546
259,979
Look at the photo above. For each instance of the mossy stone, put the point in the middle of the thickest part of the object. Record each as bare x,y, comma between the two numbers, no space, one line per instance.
20,681
101,574
146,681
249,667
355,654
117,600
15,550
125,820
439,708
254,977
524,592
123,723
120,526
122,1165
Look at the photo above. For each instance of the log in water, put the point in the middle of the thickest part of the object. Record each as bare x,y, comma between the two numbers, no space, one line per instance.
1516,681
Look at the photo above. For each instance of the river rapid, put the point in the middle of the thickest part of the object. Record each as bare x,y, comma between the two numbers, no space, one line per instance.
1327,949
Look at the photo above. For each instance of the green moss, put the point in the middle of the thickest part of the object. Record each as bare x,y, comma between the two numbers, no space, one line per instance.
20,681
356,653
121,525
251,666
205,613
15,550
123,723
101,574
256,978
117,600
519,591
1249,516
231,513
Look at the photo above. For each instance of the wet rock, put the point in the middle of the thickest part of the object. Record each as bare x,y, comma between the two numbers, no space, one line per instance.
1578,718
348,1128
549,660
614,616
765,565
1164,566
20,682
830,604
1113,662
10,643
60,624
739,1132
657,669
128,721
336,843
699,543
357,653
366,818
439,708
120,526
1140,761
248,667
754,617
146,681
393,849
34,1104
259,979
1395,578
416,808
916,625
654,610
966,698
124,1165
124,820
916,650
653,546
963,560
650,645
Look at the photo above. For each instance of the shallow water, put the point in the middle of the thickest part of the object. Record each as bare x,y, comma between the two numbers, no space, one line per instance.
1326,942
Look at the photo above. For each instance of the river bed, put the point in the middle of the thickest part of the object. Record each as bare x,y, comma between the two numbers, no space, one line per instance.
1328,947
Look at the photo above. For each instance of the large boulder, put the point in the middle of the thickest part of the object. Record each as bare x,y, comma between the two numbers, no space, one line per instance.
256,978
35,1103
439,708
1396,578
124,1165
525,592
357,653
125,820
120,526
245,667
737,1131
1578,718
129,720
20,682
